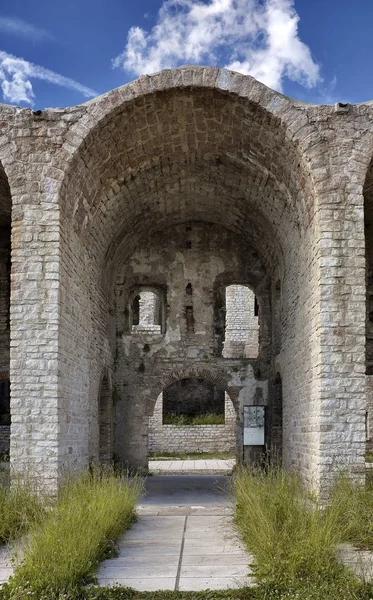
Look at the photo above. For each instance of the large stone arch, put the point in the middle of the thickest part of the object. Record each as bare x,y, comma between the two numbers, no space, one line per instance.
202,145
89,183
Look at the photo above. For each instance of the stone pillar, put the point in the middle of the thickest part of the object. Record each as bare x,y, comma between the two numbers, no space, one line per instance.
342,335
34,315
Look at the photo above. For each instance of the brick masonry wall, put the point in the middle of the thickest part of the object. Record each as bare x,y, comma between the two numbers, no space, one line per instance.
201,438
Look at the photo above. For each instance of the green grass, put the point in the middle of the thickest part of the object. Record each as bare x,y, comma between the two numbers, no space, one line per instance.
62,553
203,419
355,511
293,539
20,507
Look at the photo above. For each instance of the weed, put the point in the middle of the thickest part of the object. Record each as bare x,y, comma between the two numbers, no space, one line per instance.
352,502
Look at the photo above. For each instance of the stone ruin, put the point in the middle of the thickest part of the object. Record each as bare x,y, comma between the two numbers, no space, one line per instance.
190,225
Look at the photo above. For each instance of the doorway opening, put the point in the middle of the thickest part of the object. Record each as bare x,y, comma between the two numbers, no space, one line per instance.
193,420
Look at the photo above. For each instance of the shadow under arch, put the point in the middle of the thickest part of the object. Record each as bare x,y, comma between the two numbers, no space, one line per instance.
105,421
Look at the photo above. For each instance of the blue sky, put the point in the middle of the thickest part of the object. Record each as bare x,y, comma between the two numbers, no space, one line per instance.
62,54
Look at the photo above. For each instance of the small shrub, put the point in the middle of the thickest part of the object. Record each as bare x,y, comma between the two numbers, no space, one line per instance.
202,419
62,554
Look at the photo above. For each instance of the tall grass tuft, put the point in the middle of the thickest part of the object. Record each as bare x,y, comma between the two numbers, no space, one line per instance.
62,554
353,503
294,540
21,506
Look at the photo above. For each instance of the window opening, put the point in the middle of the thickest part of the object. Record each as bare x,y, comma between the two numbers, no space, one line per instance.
146,313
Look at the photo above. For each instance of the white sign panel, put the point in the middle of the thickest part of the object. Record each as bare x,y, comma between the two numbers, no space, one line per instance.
253,423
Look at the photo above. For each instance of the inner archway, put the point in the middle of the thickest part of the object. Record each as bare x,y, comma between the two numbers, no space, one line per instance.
193,416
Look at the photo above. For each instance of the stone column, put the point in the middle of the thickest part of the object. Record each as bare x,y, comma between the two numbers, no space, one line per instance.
342,334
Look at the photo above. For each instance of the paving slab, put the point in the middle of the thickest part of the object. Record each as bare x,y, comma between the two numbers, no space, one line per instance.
191,545
6,569
197,584
192,466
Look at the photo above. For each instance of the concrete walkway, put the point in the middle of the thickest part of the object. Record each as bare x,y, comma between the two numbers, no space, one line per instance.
192,466
183,540
6,569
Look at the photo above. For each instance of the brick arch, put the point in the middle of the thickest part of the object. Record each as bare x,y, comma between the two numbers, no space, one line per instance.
96,113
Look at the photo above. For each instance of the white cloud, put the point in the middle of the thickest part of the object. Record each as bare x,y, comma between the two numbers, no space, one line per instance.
16,75
254,37
22,29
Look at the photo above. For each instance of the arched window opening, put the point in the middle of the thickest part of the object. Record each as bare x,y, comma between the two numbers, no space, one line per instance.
146,313
241,323
105,416
276,420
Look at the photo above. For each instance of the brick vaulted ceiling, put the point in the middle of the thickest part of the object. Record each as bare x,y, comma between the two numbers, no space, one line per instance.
188,154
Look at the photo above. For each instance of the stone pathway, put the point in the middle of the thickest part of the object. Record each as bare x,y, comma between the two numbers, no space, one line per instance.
183,540
192,466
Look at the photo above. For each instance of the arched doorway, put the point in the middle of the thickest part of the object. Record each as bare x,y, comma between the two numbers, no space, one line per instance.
193,415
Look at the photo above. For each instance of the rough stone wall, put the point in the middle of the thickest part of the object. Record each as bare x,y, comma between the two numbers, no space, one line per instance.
199,438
